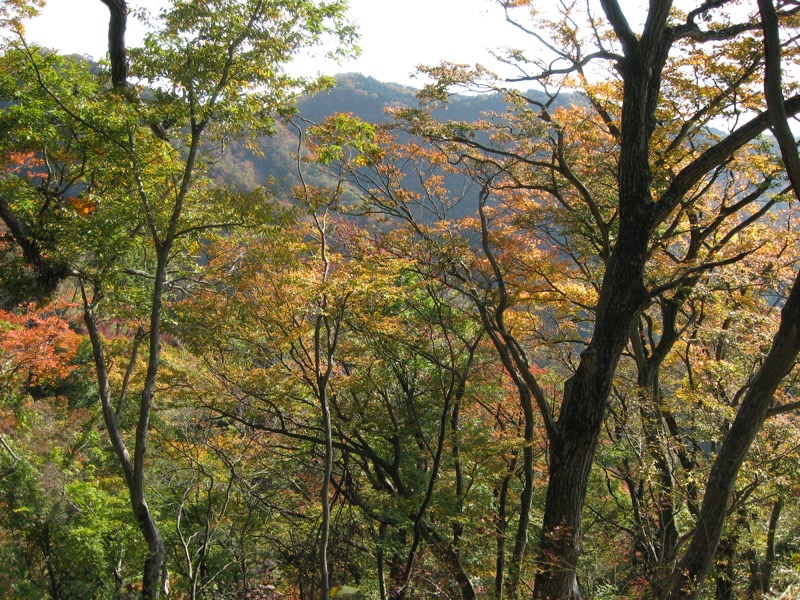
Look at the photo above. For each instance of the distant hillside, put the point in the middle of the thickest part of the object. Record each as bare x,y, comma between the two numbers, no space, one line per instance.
368,98
365,97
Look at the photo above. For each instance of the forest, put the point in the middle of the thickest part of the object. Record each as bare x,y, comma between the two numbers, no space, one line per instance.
465,341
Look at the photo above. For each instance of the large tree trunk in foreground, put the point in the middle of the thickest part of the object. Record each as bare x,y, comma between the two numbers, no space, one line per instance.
585,399
622,297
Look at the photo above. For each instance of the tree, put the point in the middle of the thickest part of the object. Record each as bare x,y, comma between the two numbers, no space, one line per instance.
778,363
206,63
563,310
653,122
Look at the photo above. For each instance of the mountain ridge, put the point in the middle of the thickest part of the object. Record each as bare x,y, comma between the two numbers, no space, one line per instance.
361,95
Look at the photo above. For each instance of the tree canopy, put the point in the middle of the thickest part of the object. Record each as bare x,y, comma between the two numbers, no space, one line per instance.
548,350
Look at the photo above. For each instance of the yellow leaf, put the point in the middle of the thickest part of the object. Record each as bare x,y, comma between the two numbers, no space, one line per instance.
340,591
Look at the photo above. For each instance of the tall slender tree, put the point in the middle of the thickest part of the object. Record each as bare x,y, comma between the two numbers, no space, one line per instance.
217,72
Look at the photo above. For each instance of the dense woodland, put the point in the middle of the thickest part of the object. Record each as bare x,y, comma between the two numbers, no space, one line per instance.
269,337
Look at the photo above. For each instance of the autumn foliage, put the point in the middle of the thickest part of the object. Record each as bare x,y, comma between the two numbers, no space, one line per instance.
549,352
37,345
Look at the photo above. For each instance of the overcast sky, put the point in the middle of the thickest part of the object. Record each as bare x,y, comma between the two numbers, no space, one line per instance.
395,35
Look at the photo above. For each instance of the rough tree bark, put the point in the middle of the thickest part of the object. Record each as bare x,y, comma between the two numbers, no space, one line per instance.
117,54
622,297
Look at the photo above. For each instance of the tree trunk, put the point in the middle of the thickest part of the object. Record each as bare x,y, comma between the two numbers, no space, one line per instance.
769,560
694,567
450,559
380,558
622,297
725,571
501,525
325,491
153,580
397,578
117,54
585,398
134,476
662,544
55,588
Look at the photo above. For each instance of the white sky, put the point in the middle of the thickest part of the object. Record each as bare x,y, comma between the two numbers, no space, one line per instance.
395,35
